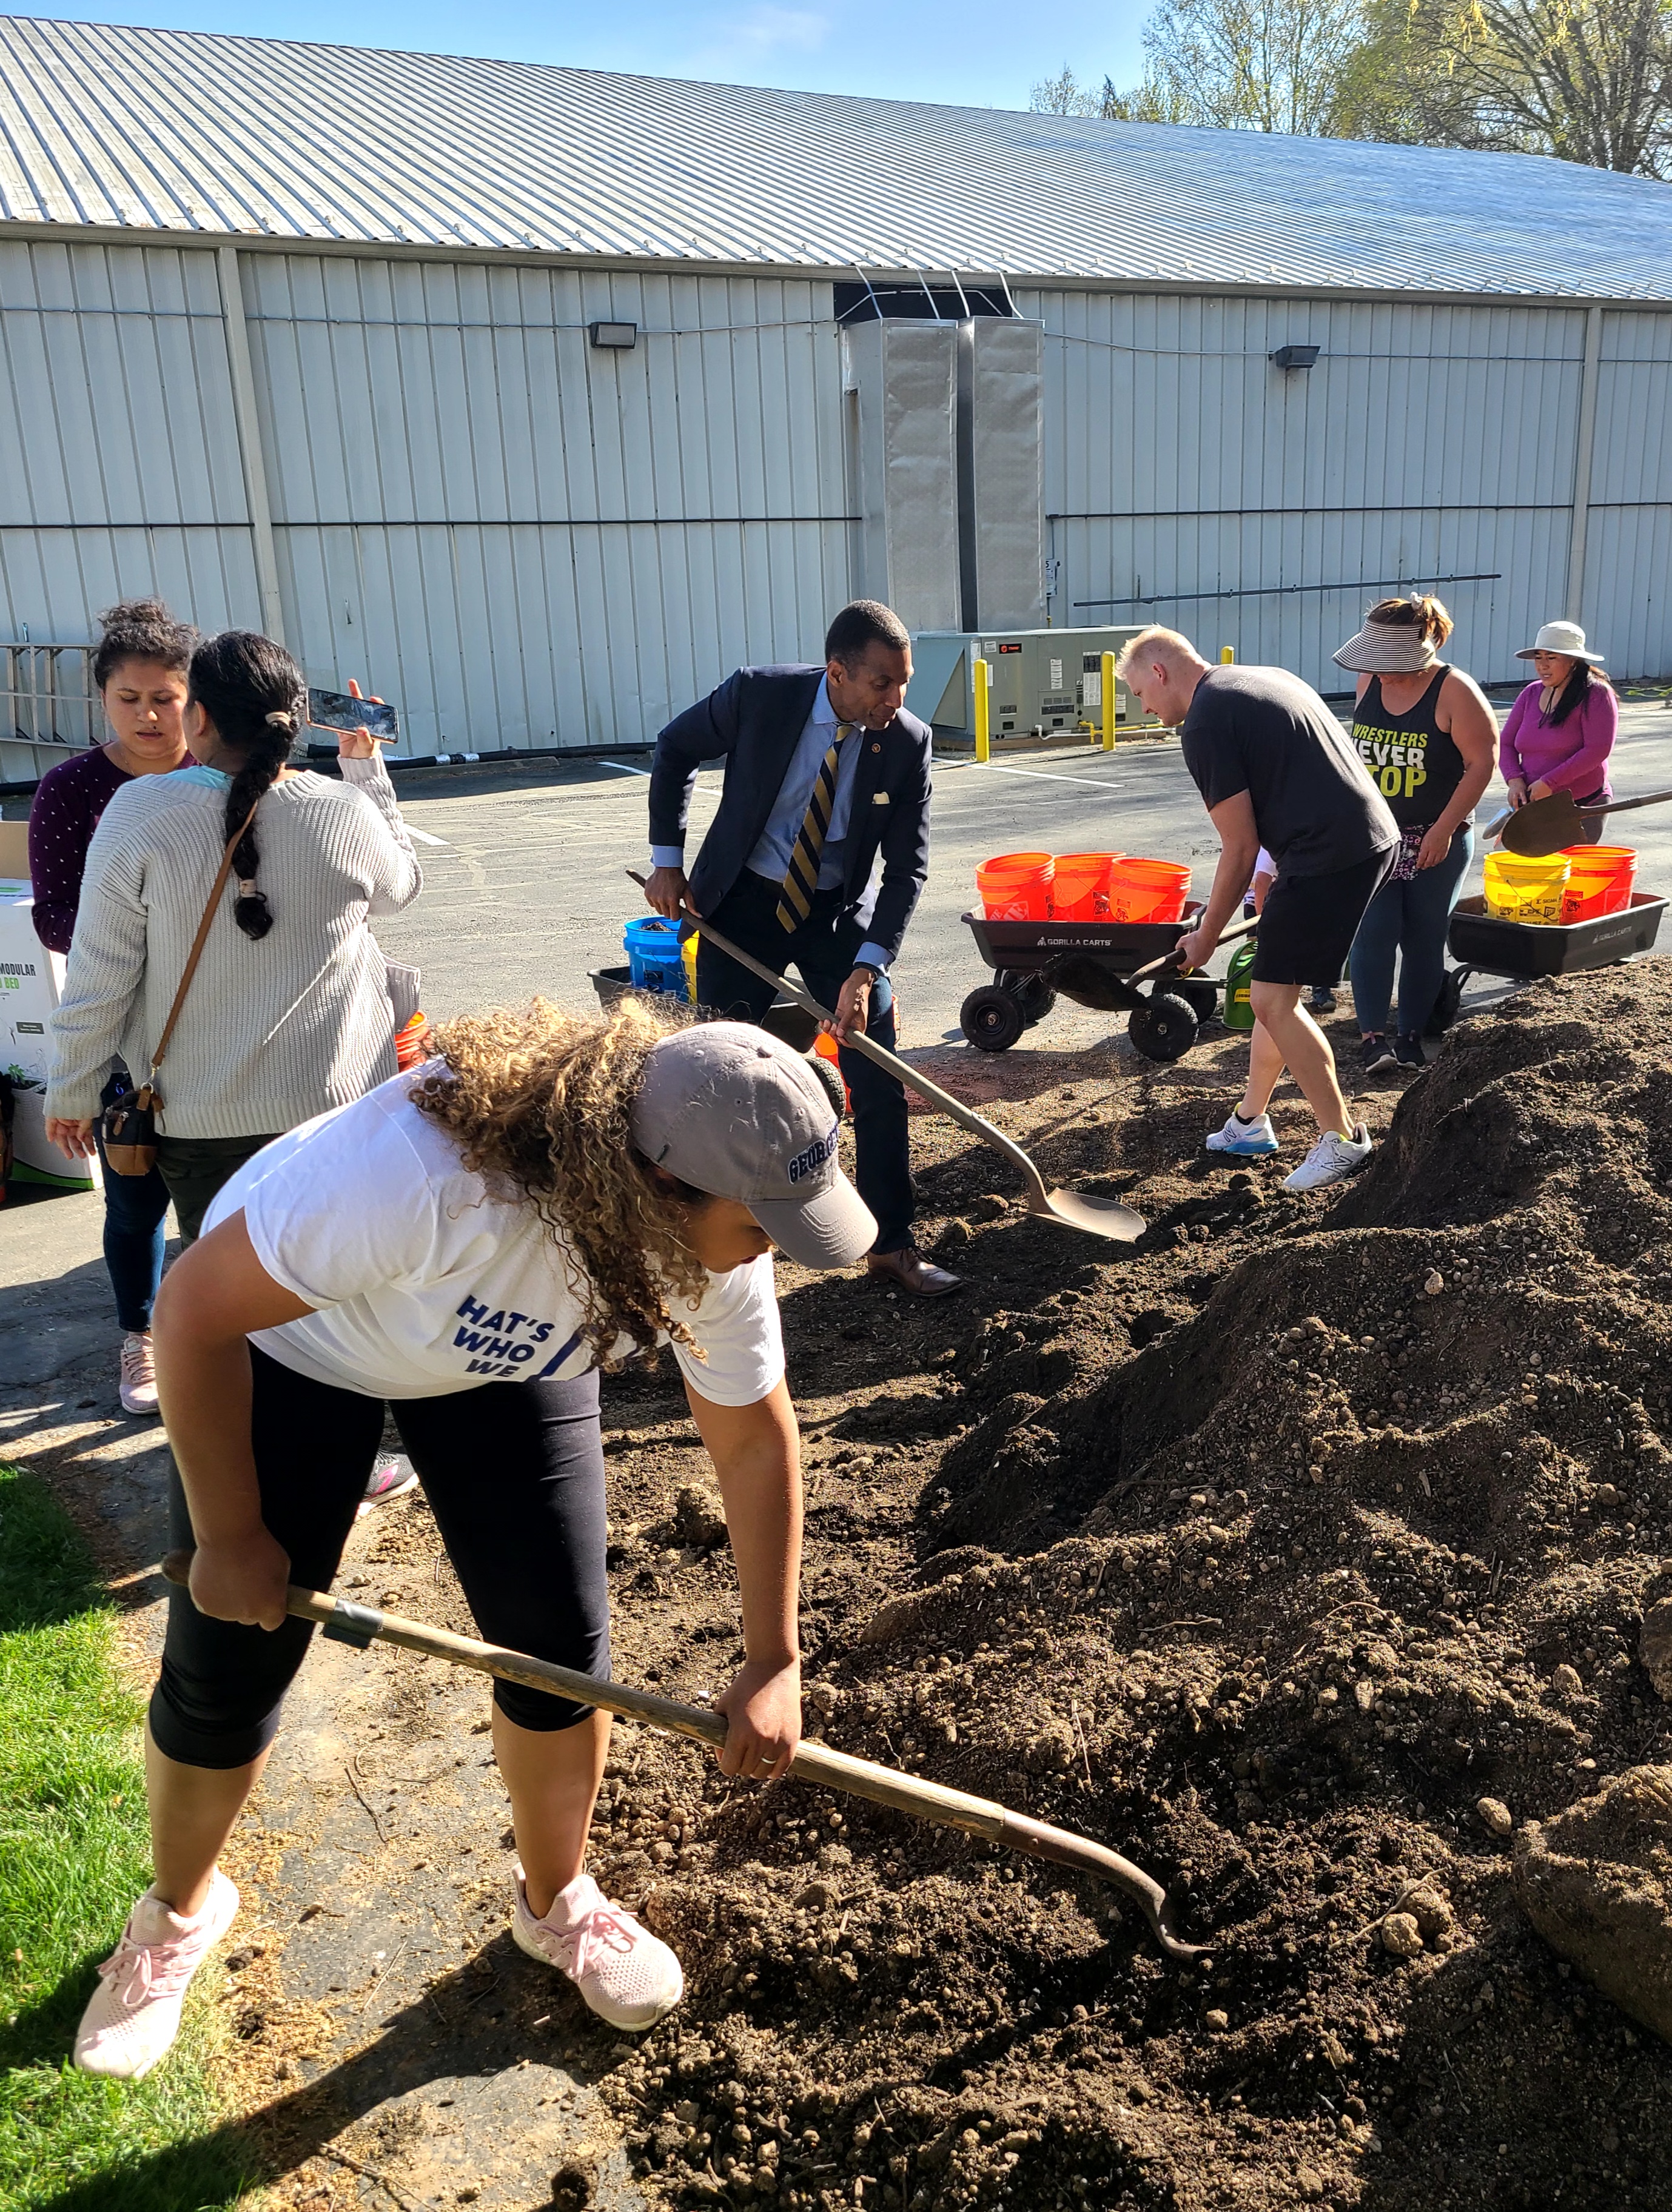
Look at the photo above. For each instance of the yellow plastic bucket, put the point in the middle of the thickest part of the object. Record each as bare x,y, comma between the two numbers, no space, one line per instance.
1518,889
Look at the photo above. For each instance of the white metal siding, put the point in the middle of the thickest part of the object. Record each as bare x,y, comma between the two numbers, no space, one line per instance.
119,468
1628,563
1428,440
525,540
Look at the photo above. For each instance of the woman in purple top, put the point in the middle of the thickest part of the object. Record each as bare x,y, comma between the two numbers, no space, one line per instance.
140,669
1561,730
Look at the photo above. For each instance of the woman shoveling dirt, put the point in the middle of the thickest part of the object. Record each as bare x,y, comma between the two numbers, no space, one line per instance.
469,1243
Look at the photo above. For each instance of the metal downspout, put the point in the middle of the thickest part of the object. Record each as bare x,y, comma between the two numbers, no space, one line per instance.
1584,445
262,543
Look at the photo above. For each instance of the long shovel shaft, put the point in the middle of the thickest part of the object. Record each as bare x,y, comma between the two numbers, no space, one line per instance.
953,1108
363,1625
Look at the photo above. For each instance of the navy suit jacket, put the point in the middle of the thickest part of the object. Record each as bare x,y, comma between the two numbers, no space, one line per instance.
754,721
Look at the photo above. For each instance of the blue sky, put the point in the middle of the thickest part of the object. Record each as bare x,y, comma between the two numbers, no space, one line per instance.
971,52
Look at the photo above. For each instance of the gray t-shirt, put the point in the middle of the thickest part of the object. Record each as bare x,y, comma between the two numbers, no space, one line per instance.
1264,732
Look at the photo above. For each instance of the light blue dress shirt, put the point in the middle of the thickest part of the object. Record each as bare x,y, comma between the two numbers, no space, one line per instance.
770,857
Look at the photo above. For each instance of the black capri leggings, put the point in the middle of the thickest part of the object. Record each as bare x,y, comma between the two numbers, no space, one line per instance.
514,1475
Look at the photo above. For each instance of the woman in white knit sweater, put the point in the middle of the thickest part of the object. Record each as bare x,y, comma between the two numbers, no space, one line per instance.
289,1013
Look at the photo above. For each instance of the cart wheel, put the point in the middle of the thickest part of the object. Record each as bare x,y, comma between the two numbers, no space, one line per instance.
992,1019
1200,993
834,1088
1163,1028
1037,998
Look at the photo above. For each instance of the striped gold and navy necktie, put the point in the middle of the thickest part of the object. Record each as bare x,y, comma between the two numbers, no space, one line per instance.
802,881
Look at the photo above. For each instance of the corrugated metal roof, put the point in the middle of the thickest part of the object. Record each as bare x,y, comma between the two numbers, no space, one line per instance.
178,131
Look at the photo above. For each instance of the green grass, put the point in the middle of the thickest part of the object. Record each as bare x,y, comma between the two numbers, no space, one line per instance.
73,1855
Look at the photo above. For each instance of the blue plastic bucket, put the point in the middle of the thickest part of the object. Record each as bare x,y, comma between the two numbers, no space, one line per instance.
652,946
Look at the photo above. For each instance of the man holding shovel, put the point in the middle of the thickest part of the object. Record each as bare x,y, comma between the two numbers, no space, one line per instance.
825,773
1276,769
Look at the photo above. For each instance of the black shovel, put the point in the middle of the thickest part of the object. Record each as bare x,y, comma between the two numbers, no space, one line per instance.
1097,1216
1549,825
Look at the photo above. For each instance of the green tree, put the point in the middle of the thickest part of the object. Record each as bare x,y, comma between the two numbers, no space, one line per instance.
1588,80
1244,65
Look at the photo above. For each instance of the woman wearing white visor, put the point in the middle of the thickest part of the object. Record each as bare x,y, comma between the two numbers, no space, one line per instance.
470,1242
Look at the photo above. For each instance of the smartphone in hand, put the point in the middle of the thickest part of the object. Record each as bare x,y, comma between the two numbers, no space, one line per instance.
338,710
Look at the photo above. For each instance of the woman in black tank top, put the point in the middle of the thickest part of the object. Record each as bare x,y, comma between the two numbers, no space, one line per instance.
1428,740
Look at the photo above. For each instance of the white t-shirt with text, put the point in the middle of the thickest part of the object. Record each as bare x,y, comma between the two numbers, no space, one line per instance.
424,1280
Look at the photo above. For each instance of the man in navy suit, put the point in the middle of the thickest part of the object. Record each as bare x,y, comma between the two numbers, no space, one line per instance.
824,770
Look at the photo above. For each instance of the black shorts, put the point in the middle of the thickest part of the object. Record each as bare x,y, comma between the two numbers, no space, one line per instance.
1307,928
514,1475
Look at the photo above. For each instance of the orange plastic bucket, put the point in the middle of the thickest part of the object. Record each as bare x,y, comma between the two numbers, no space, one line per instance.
1599,880
1147,890
1080,889
1017,886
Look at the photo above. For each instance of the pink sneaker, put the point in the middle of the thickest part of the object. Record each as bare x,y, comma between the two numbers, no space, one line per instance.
628,1976
134,2014
138,1386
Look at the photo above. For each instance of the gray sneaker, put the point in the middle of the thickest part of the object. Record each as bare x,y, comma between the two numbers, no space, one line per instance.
1331,1160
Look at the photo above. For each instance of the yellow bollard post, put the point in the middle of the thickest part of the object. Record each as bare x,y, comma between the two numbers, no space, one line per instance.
1109,702
983,676
1227,654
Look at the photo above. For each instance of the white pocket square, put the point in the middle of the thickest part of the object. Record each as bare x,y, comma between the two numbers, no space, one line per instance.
880,799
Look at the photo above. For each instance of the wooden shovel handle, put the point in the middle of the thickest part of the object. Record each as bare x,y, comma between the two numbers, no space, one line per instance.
952,1108
365,1624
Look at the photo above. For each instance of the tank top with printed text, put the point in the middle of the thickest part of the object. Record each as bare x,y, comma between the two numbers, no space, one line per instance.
1412,763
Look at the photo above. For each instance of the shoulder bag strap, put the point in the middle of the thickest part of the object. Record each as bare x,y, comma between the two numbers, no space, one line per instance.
199,942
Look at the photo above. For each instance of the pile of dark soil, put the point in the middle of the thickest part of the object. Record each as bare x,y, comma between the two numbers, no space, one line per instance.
1299,1553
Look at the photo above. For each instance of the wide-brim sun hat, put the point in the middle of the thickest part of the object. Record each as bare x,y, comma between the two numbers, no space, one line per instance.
1564,637
1385,648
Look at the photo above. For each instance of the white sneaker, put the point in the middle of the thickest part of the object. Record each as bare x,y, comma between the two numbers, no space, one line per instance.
138,1386
1331,1159
1249,1140
134,2014
627,1975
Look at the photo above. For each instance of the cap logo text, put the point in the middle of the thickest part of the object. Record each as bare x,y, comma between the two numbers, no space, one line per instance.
809,1161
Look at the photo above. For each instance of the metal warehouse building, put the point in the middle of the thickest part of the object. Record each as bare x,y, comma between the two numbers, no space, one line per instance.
538,398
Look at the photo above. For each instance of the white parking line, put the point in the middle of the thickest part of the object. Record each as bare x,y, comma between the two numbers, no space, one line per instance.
424,837
1043,775
625,767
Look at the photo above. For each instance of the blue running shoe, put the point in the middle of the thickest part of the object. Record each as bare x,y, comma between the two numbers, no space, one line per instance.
1248,1140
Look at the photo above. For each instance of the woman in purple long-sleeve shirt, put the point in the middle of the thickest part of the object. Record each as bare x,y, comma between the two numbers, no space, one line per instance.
1561,729
140,669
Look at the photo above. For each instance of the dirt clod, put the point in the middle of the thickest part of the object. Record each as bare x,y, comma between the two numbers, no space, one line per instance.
1655,1646
1597,1882
1401,1934
1495,1815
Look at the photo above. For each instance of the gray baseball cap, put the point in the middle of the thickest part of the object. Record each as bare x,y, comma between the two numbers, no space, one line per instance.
734,1112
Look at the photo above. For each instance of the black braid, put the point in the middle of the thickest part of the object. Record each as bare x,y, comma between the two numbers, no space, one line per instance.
252,691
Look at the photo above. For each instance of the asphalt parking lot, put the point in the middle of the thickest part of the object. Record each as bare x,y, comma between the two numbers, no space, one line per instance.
526,887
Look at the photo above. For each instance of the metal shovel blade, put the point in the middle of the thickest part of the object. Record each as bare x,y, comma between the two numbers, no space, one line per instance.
1543,826
1097,1216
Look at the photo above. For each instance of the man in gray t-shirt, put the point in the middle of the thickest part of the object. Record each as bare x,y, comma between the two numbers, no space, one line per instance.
1275,768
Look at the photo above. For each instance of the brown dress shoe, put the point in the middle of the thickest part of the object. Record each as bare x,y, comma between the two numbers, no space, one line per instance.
914,1272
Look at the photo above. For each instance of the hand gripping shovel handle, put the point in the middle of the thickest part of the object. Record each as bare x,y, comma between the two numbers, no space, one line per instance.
1245,927
953,1108
363,1626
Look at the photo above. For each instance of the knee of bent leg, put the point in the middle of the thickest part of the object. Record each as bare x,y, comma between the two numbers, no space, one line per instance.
1269,999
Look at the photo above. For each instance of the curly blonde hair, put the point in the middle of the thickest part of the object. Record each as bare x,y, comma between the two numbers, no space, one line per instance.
537,1102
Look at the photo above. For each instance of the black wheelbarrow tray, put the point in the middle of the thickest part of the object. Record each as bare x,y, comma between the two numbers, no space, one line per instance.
1035,963
1484,944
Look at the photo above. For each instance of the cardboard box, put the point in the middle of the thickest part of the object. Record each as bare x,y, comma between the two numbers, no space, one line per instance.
31,984
13,859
